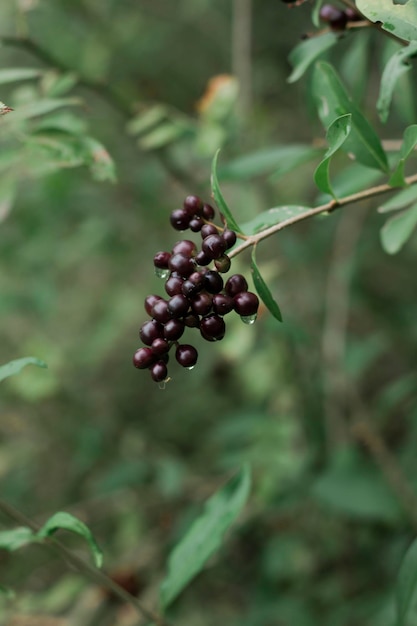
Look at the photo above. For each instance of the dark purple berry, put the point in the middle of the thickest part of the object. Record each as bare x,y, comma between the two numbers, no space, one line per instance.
193,205
161,260
150,301
212,327
180,220
208,229
222,304
213,282
202,258
235,284
143,358
184,265
214,246
202,303
186,355
352,15
190,288
160,346
230,238
149,331
159,371
160,311
196,224
246,303
178,305
208,212
173,285
173,329
335,17
185,247
223,264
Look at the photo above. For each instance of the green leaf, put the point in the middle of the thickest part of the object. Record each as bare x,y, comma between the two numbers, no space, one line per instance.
218,197
147,119
279,159
272,217
164,134
409,143
398,229
397,19
406,583
11,540
19,73
337,133
41,107
66,521
101,164
263,290
315,14
397,65
14,367
303,55
332,102
401,199
205,536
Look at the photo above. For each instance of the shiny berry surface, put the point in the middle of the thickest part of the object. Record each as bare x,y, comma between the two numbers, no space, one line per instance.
214,246
159,371
186,355
235,284
246,303
143,358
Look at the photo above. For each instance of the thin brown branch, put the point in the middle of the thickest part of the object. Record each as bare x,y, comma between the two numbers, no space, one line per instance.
372,192
96,575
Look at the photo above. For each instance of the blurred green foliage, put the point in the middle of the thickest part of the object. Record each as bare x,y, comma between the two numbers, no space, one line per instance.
323,407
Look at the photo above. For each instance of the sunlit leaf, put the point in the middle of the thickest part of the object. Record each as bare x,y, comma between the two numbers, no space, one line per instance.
337,133
406,583
397,65
66,521
272,217
303,55
14,367
397,19
16,538
333,101
263,290
218,197
409,143
398,229
205,536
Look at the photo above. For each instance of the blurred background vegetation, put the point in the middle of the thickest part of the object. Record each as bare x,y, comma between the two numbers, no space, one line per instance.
322,406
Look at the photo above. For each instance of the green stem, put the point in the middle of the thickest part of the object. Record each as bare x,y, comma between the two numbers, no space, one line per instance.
252,240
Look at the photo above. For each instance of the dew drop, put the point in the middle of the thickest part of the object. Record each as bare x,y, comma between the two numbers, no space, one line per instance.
161,272
249,319
191,367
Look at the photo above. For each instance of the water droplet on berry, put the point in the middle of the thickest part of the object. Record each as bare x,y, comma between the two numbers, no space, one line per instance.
162,272
249,319
191,367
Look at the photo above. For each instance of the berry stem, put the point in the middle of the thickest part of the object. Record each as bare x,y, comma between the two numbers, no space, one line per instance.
378,190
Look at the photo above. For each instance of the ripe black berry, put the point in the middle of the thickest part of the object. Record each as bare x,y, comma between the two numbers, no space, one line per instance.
212,327
214,246
222,304
196,224
150,301
150,330
180,220
160,311
159,371
246,303
161,260
213,282
229,237
184,265
202,258
208,229
193,205
186,355
185,247
160,346
178,305
336,18
173,285
208,212
173,329
143,358
235,284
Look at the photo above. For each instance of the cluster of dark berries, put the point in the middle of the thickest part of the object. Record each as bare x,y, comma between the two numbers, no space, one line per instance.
198,296
337,18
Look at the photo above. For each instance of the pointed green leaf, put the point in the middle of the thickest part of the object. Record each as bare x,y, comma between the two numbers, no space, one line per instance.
218,197
11,540
66,521
263,290
397,65
337,133
101,164
205,536
271,217
401,199
398,229
14,367
409,143
397,19
41,107
19,73
303,55
333,101
406,583
315,14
